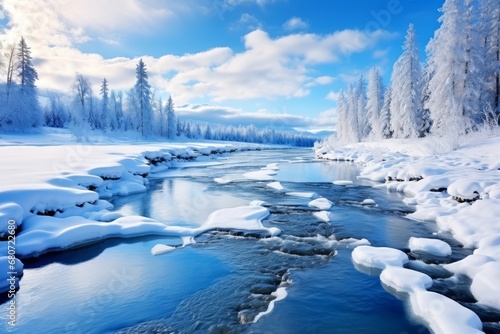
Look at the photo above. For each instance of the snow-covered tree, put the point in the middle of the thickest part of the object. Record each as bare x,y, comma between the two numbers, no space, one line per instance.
10,56
172,129
105,106
143,100
208,132
406,82
452,72
490,29
385,115
113,117
352,131
56,114
342,119
375,101
364,126
82,91
28,112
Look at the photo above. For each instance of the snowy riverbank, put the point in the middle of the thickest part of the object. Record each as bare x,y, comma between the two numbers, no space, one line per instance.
460,191
53,194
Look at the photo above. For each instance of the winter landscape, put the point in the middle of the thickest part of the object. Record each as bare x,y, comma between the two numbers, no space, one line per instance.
249,166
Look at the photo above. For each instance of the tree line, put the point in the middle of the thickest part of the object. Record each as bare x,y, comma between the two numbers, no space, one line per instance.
137,111
456,91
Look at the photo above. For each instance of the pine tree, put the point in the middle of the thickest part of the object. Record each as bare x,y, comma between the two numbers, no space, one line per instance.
375,102
143,100
208,132
113,117
105,110
172,130
406,82
29,111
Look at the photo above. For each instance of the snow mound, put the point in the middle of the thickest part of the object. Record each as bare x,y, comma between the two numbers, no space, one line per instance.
485,285
257,203
430,246
321,203
274,166
444,315
489,246
342,183
405,280
275,185
10,214
261,175
379,257
41,234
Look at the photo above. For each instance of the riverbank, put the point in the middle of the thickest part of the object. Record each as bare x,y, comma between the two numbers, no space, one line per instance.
54,191
457,189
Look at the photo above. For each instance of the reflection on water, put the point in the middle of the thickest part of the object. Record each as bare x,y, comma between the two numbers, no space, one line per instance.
223,281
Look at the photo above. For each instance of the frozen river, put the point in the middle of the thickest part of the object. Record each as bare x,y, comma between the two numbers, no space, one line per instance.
303,281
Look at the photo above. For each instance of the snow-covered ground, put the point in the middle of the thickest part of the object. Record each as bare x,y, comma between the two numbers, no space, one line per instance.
460,191
53,191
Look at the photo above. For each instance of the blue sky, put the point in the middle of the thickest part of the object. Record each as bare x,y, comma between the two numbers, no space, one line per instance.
269,62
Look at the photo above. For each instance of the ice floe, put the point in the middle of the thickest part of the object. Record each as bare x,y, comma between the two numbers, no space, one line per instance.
343,183
379,257
429,246
302,194
275,185
161,249
321,203
323,215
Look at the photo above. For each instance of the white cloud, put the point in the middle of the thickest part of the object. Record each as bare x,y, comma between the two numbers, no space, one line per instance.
233,116
333,96
267,68
247,21
295,23
328,118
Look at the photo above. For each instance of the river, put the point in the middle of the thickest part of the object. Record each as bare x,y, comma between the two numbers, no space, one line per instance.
227,282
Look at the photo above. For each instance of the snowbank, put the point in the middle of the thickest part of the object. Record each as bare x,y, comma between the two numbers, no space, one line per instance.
444,315
460,191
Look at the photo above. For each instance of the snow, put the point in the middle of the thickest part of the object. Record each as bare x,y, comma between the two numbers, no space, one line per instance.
321,203
405,280
485,285
368,201
275,185
323,215
379,257
302,194
444,315
429,246
10,271
10,214
161,249
457,189
280,294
